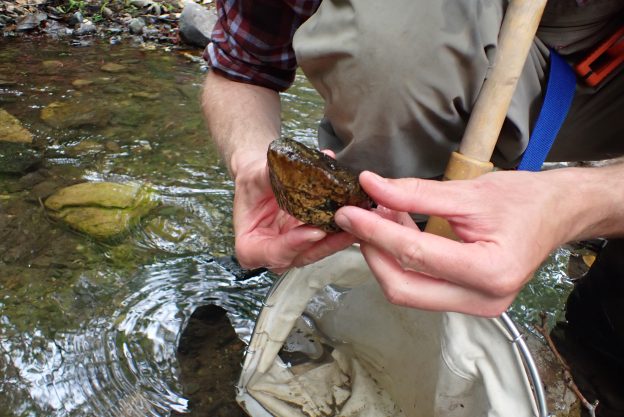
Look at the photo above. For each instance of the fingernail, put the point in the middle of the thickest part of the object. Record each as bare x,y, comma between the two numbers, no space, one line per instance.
342,221
316,235
374,176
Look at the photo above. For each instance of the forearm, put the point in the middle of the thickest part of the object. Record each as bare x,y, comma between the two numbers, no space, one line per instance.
596,196
242,119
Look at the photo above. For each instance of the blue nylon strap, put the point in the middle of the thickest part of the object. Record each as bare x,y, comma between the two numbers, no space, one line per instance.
559,94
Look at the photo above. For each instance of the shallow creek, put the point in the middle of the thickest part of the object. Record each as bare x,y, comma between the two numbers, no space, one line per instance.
92,328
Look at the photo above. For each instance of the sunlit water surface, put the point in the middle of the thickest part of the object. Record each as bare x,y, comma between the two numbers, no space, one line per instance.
91,329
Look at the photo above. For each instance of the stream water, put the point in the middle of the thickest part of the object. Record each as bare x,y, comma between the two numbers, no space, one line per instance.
93,329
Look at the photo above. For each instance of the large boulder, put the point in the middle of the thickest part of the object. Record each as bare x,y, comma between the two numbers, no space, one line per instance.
196,24
103,210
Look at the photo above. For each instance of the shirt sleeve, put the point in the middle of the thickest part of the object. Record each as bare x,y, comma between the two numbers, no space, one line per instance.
252,40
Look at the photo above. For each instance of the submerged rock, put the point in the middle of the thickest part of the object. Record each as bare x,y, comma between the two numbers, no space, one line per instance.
17,158
147,95
65,115
102,210
52,63
11,130
52,67
16,151
113,67
80,83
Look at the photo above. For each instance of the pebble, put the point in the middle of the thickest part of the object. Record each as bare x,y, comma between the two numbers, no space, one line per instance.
107,13
80,83
85,28
76,19
52,64
113,67
136,25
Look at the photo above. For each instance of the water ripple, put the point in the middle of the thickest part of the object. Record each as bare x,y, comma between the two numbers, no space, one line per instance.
126,365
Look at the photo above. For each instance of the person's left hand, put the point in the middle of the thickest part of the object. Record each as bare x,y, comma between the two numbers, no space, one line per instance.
508,223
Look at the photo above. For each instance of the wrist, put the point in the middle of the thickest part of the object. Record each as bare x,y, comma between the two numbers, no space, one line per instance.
246,157
595,200
242,119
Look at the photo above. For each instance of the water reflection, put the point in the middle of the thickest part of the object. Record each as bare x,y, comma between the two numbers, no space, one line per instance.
545,293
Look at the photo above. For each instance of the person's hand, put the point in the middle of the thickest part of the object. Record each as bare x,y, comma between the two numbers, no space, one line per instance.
268,236
265,235
508,223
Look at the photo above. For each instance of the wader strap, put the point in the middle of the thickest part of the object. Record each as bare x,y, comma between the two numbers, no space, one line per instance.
559,94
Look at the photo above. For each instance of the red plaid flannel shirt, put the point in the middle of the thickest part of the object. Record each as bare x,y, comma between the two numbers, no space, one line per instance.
252,40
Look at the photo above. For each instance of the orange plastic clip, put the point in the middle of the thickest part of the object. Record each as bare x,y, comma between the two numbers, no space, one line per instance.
603,60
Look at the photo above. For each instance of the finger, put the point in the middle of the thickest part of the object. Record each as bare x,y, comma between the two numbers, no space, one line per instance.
467,264
400,217
329,153
414,195
416,290
302,254
263,213
263,247
331,244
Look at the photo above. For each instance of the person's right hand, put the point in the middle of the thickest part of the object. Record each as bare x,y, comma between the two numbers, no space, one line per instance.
268,236
265,235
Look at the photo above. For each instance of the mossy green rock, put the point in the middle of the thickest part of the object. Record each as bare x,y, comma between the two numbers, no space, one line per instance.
102,210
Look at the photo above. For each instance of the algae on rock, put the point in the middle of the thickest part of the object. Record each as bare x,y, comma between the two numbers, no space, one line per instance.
102,210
